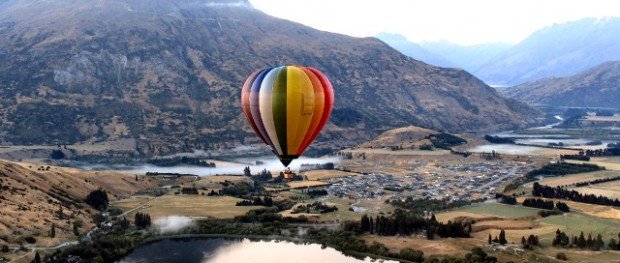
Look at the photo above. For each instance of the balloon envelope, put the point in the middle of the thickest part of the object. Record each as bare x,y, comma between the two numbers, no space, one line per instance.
287,107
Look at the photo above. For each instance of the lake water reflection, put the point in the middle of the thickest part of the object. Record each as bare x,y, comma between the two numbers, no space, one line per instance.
229,250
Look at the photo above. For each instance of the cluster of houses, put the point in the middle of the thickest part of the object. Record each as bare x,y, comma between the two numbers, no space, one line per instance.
446,181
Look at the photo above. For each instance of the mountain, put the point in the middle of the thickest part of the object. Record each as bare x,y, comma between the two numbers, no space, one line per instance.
468,57
556,51
414,50
168,74
596,87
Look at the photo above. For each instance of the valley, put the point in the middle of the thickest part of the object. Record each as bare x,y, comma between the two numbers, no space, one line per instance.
459,183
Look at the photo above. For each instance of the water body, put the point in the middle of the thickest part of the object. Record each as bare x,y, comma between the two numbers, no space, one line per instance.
218,250
271,163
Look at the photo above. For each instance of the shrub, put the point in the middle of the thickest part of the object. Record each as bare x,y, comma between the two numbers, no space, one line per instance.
561,256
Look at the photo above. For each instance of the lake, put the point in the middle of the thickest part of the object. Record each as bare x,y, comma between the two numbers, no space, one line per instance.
235,250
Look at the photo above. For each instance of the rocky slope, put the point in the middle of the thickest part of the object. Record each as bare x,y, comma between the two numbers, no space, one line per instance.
556,51
168,73
596,87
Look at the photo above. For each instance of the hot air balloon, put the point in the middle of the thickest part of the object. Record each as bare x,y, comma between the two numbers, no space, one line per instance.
287,107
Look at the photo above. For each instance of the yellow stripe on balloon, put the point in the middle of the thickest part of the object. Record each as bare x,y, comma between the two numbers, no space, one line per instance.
299,107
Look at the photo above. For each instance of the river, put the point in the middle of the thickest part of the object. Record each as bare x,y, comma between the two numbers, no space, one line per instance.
236,250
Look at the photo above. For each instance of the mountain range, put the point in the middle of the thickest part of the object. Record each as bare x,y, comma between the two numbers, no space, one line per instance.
468,57
558,50
555,51
414,50
596,87
168,74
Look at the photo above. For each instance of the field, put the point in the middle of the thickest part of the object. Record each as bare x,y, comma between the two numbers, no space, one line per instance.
188,205
304,184
315,175
609,189
366,206
573,223
577,178
429,247
610,163
490,210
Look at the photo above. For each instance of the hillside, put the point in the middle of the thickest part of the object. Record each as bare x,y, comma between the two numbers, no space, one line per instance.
35,197
167,73
556,51
414,50
407,137
596,87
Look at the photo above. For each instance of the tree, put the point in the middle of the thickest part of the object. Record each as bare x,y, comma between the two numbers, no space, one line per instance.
76,227
142,220
247,172
561,256
612,244
599,243
411,255
581,242
589,241
4,249
502,237
53,231
98,199
124,223
37,258
489,241
562,207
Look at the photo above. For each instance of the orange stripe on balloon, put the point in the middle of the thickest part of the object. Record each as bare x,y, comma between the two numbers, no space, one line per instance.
327,108
319,105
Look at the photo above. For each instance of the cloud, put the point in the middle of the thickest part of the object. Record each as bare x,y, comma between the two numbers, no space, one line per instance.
172,224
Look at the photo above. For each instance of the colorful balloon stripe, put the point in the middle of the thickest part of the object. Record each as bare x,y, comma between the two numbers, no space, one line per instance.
287,107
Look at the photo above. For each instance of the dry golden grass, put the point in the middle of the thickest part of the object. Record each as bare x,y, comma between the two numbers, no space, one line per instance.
576,255
449,246
610,163
588,209
407,137
514,235
576,178
503,224
303,184
451,215
221,207
32,201
326,174
609,189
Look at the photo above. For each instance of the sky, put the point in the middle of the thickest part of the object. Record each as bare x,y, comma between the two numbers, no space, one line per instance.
465,22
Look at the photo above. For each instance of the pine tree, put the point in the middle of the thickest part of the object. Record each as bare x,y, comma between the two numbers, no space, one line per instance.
612,244
37,258
53,231
589,241
599,243
581,242
490,241
502,237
